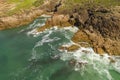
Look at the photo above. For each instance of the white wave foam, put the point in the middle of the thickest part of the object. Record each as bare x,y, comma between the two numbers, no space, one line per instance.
35,33
116,65
83,56
46,37
71,28
36,23
34,54
86,56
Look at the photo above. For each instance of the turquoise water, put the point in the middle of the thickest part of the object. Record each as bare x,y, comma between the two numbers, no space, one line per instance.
26,56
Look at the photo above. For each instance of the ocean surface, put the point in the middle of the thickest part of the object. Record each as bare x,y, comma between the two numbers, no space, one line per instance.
26,54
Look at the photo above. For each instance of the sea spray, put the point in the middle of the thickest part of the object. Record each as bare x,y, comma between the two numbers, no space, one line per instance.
36,23
46,37
35,32
47,61
86,57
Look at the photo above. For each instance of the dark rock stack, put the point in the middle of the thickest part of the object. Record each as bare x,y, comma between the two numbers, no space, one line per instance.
101,20
99,26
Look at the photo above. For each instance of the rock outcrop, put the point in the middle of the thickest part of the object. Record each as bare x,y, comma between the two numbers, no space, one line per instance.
100,27
19,19
27,16
59,20
100,44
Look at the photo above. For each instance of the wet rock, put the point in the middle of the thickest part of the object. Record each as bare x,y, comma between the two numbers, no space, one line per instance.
85,51
72,62
58,20
99,27
112,60
80,36
70,48
100,44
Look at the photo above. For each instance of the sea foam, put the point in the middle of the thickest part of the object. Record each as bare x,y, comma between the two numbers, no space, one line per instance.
85,57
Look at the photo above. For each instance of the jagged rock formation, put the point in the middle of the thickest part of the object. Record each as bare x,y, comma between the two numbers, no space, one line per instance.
99,19
99,26
27,16
52,6
18,19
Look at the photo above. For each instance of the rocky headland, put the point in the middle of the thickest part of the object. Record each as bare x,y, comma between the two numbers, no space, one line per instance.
99,25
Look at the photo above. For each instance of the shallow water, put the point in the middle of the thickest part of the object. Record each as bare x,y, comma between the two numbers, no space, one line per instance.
28,55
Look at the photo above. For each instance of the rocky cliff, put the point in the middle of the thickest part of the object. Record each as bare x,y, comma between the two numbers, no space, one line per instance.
99,25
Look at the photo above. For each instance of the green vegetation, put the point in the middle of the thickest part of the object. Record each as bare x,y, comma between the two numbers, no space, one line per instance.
23,5
20,5
104,2
38,3
70,3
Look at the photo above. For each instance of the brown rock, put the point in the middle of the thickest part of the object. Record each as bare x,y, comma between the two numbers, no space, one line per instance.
80,36
100,51
19,19
112,60
71,48
99,27
56,20
99,43
83,16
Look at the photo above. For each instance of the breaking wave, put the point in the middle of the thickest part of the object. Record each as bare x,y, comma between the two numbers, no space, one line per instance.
83,60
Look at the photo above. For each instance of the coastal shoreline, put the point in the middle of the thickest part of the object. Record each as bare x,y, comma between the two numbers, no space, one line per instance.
98,26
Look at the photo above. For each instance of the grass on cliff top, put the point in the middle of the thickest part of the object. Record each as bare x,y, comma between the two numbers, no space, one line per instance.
28,4
107,3
69,5
103,2
23,5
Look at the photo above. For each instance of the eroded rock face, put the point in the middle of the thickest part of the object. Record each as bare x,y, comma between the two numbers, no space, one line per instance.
100,27
100,44
70,48
26,17
52,5
79,17
19,19
56,20
101,19
61,20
